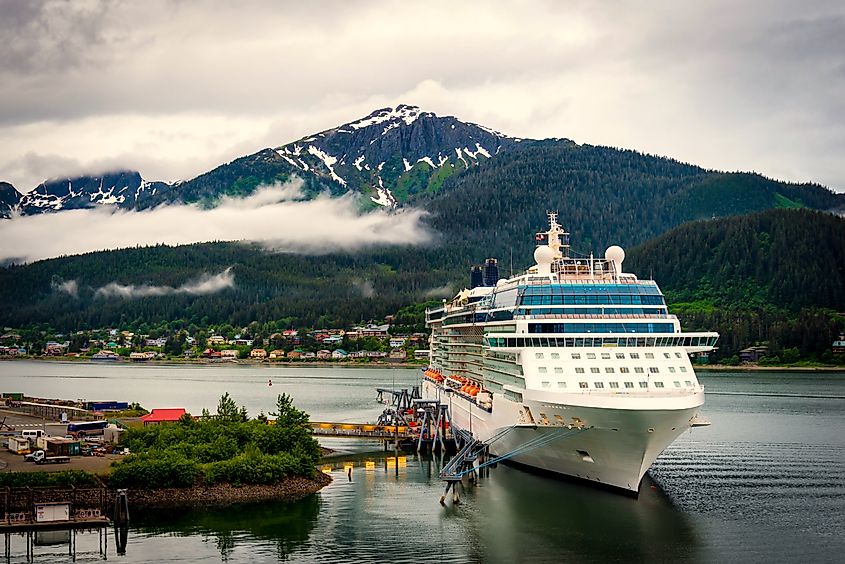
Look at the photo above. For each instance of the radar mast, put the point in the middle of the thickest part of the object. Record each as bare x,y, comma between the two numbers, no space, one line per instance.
556,237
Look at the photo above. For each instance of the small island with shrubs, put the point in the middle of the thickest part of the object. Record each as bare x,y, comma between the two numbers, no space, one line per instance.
213,459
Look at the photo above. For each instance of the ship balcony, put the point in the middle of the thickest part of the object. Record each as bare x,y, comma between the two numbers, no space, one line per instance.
598,316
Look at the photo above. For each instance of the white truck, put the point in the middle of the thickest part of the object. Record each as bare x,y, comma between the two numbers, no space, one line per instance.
40,457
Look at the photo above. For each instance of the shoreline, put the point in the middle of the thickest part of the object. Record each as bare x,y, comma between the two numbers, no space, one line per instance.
380,365
292,488
756,368
205,362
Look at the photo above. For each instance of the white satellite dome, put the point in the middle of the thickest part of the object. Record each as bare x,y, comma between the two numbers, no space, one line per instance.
615,254
544,255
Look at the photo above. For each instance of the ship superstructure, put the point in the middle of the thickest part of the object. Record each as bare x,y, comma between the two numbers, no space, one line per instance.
573,367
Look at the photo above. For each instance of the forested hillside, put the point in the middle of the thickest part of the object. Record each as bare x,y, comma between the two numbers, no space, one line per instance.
329,291
604,196
777,276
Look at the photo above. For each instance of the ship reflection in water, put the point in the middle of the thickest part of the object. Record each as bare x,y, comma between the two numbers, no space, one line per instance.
385,508
765,482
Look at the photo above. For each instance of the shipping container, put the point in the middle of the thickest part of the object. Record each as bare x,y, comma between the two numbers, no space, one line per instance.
107,405
18,445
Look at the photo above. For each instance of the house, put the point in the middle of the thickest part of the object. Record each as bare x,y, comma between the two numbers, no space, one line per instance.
160,342
277,354
376,354
258,354
397,355
158,416
333,340
358,354
216,340
324,354
339,354
141,356
10,337
753,354
290,334
295,355
422,354
52,348
378,331
243,342
838,347
396,342
308,356
230,354
105,355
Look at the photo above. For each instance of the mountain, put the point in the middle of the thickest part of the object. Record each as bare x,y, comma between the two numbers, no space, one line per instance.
604,196
397,152
770,276
773,277
785,259
124,189
9,199
390,156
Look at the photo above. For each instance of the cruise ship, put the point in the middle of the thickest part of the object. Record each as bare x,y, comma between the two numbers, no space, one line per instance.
573,367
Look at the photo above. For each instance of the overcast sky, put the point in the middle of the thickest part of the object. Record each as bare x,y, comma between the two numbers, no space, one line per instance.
174,88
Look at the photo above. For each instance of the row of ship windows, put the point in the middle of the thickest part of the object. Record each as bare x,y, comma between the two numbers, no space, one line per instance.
562,289
612,370
606,355
601,327
591,300
615,385
512,342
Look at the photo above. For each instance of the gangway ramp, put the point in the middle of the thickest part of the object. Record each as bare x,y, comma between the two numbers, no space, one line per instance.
363,430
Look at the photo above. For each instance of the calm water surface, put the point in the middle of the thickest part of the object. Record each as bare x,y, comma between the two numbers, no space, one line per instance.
765,482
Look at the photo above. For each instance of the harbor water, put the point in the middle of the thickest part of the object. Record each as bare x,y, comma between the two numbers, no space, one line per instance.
765,482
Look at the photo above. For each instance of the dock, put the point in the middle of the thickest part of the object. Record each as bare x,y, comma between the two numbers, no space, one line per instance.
364,430
47,516
409,421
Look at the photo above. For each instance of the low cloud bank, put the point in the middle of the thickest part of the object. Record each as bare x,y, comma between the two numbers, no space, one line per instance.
69,287
274,216
205,284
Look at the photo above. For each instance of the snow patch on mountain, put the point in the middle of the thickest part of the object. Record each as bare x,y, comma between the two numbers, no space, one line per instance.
328,160
408,114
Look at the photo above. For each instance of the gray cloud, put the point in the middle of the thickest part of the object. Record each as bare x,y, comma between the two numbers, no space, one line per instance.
172,88
275,216
444,291
205,284
69,287
365,287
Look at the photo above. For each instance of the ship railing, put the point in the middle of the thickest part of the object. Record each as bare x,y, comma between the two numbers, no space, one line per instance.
596,316
650,392
581,281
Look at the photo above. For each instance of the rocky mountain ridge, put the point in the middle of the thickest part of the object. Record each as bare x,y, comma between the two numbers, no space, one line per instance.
390,156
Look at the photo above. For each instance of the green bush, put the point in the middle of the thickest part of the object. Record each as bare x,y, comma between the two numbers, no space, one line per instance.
222,449
154,470
38,479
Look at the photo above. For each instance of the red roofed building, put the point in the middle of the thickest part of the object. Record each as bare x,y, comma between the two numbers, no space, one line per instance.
163,416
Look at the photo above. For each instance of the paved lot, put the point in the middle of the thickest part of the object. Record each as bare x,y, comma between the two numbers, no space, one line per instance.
10,462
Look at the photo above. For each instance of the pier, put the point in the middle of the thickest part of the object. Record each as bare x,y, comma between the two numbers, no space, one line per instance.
409,421
49,516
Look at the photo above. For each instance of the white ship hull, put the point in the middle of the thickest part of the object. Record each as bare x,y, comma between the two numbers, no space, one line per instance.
592,441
